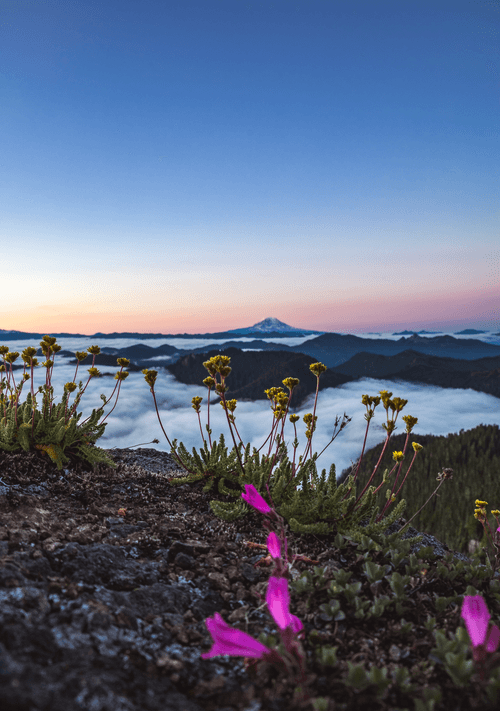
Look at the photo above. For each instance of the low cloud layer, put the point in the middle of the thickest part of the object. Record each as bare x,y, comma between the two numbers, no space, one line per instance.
134,420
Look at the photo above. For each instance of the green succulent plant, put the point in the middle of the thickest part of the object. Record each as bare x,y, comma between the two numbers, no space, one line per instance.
27,429
54,429
308,502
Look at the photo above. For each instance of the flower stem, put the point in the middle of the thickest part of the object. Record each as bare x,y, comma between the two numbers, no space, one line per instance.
420,509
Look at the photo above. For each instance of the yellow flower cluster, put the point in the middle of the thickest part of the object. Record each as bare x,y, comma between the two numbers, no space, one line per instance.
196,401
218,364
317,368
480,510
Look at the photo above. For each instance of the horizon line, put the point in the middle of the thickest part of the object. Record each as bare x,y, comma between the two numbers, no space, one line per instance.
234,332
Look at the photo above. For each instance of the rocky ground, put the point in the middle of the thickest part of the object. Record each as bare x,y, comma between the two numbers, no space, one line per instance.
107,577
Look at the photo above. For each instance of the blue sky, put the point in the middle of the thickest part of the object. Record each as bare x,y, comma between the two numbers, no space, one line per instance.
195,166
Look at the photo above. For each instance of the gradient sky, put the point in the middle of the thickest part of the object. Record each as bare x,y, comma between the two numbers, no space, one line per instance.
200,165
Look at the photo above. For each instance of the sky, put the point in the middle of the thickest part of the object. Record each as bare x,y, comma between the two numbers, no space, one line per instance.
134,421
197,166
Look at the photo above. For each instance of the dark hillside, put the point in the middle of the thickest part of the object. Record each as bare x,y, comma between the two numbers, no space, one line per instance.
482,374
255,371
334,349
474,456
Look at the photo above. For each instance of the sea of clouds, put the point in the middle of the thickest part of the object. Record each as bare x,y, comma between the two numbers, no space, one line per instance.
134,421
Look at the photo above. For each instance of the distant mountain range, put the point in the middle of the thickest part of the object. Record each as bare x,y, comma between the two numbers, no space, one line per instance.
444,361
269,326
254,372
465,332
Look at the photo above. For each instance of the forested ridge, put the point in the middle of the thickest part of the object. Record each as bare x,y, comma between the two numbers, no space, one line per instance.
474,457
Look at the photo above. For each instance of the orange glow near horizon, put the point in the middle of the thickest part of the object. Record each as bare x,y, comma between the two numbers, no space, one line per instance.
438,311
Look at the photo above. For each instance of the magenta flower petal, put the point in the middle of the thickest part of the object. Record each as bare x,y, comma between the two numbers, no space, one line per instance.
476,616
493,639
228,640
278,602
274,545
297,624
252,497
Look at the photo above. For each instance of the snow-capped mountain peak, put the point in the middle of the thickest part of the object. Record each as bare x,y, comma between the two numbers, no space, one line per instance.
272,324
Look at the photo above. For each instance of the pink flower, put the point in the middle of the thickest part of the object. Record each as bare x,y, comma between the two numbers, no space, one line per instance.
252,497
228,640
476,615
278,602
274,545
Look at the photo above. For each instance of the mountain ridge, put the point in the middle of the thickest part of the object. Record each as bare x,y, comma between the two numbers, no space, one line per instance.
269,326
253,372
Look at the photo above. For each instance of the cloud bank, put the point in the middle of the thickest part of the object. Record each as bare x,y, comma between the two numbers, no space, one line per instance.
134,420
